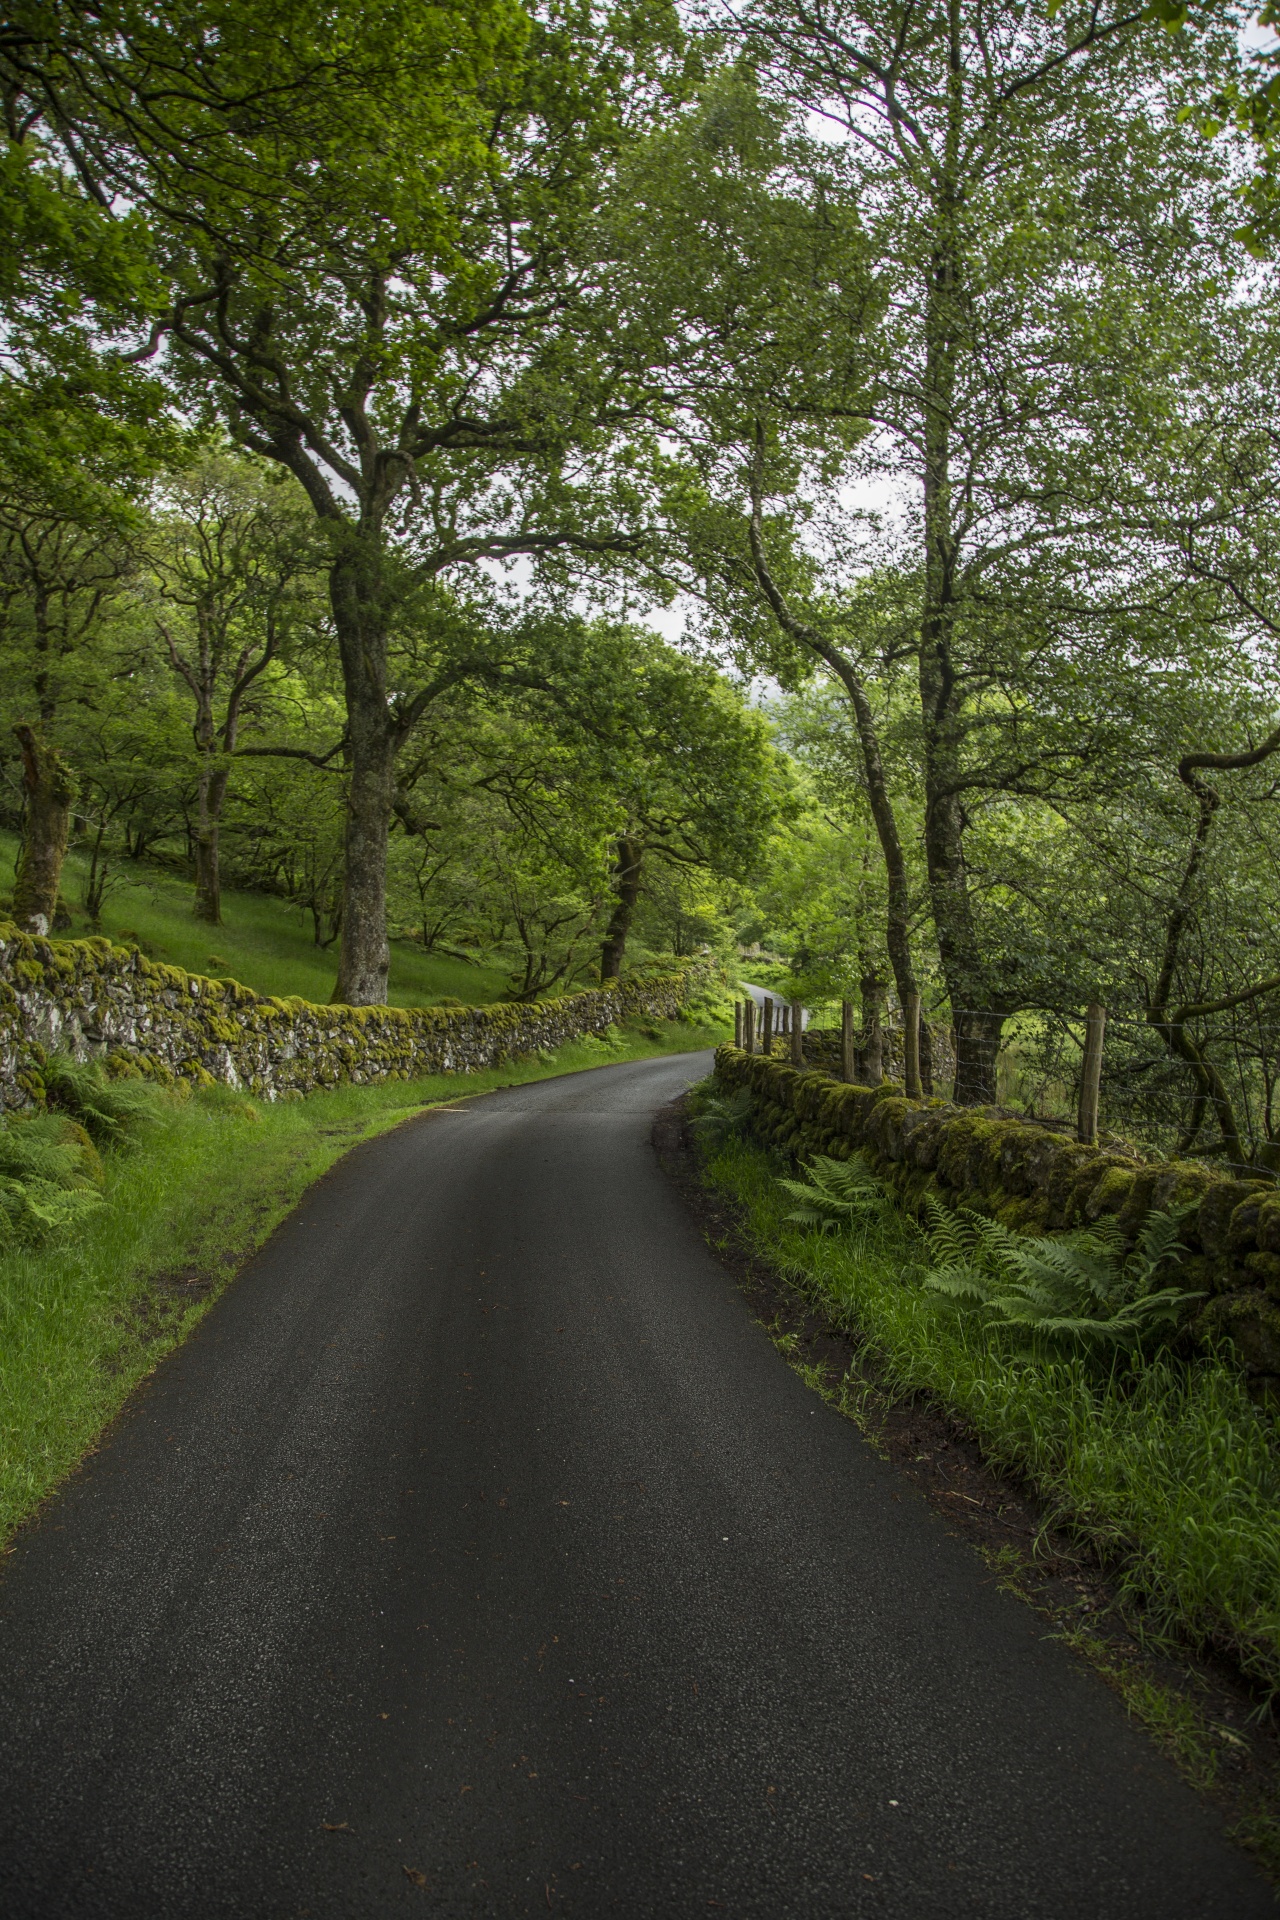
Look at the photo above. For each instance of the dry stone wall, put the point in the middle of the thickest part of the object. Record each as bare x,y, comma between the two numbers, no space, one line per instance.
1037,1181
97,1000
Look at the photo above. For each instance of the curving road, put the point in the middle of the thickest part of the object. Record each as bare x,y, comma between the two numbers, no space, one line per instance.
479,1556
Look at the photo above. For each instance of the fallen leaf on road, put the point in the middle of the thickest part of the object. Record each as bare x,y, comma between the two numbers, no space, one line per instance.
336,1826
418,1878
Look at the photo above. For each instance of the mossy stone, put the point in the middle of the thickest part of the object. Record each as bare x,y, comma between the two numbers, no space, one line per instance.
1110,1193
1250,1321
1267,1229
1224,1201
1266,1268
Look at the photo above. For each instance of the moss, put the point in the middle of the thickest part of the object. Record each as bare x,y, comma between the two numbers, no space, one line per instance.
1221,1202
1180,1184
1110,1193
1266,1268
1070,1172
1267,1230
1017,1213
883,1129
961,1133
1139,1204
1250,1321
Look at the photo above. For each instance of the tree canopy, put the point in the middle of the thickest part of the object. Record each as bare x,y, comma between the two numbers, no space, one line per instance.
378,390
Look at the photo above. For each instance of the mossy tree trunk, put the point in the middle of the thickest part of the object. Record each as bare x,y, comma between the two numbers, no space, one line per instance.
212,792
358,599
978,1023
628,864
49,791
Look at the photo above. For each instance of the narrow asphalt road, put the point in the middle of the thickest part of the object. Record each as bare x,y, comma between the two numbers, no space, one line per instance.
479,1556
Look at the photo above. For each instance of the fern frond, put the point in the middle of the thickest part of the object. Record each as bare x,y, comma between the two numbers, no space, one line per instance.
949,1234
960,1283
835,1194
1157,1242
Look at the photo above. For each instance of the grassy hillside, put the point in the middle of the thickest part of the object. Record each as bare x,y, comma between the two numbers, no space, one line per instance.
265,943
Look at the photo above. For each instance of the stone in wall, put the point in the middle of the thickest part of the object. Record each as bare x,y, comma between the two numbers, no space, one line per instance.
96,1000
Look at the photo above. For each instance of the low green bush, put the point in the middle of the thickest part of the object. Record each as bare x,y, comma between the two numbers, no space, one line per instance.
50,1177
1084,1289
110,1110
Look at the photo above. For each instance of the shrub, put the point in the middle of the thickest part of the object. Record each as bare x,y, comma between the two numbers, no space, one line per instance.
1082,1289
50,1176
111,1111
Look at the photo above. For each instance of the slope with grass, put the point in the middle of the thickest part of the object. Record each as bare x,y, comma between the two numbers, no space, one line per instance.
264,942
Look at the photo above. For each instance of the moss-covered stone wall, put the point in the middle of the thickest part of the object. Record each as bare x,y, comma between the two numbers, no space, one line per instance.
1038,1181
95,999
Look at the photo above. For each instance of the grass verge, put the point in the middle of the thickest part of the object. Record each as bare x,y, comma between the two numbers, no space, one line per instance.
85,1316
951,1413
1169,1471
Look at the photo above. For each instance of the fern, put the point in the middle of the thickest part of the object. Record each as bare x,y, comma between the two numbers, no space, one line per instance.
836,1194
32,1209
721,1117
1080,1288
49,1176
111,1111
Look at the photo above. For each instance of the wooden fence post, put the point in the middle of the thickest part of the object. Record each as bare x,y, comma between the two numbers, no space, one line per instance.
766,1028
737,1024
1095,1026
911,1045
797,1034
749,1024
846,1041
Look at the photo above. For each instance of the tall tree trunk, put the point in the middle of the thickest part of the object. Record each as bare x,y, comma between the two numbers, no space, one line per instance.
898,904
364,953
49,790
357,596
628,862
978,1024
873,1001
212,792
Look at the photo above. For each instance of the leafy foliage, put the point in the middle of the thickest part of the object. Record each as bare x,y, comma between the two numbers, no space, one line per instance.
837,1194
721,1117
49,1176
110,1111
1081,1288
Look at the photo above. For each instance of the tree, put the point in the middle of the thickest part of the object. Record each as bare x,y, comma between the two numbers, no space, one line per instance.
692,777
1026,188
374,230
231,567
59,571
1248,101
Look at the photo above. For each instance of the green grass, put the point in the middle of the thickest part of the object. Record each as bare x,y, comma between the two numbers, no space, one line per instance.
264,943
84,1317
1169,1470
